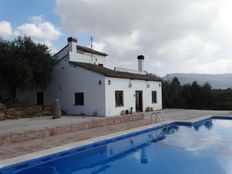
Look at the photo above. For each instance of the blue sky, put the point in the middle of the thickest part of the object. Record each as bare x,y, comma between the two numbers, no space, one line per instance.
175,36
19,12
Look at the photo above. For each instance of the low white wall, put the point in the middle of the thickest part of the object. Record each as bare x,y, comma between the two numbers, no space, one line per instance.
87,58
129,94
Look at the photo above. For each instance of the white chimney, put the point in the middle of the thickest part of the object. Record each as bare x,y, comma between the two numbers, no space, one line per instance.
140,62
72,43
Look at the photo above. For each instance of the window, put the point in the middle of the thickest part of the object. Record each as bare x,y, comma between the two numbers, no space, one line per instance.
79,98
154,96
100,64
118,98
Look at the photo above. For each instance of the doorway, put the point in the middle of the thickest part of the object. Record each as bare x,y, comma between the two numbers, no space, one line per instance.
139,101
39,98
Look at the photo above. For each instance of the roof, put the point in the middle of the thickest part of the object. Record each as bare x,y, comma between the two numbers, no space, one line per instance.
90,50
85,49
60,50
112,73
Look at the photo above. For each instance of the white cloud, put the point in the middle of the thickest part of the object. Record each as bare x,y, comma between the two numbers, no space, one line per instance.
49,44
100,46
174,36
5,29
124,42
39,29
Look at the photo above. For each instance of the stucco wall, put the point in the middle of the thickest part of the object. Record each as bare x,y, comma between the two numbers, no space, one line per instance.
129,94
87,58
80,56
29,97
68,80
99,99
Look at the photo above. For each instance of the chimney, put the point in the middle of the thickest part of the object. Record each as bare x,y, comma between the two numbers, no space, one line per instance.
72,43
140,62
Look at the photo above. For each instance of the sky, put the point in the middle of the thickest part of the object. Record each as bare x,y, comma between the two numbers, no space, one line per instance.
181,36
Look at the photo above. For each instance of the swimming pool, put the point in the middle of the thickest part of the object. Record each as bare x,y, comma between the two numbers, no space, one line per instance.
205,147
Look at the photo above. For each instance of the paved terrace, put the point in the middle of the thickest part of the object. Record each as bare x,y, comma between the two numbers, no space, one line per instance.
15,126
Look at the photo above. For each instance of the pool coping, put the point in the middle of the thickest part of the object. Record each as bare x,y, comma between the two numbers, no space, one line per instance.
7,163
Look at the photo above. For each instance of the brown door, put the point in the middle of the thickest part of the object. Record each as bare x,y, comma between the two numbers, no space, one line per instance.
139,101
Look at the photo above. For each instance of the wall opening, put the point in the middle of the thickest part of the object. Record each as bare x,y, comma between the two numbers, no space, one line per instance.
139,101
79,98
39,98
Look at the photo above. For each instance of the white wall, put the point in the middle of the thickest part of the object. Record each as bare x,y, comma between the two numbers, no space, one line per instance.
68,80
80,56
87,58
98,99
29,97
129,94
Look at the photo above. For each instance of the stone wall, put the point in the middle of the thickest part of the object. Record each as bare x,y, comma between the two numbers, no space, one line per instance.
10,138
24,112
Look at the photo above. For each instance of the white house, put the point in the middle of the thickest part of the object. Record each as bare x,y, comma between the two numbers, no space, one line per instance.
85,86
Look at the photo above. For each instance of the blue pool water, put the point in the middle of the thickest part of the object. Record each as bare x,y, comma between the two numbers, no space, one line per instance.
200,149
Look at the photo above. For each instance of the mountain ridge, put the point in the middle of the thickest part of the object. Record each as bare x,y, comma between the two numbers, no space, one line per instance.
217,81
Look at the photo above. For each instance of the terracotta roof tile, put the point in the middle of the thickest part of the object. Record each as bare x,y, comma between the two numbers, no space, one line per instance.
112,73
90,50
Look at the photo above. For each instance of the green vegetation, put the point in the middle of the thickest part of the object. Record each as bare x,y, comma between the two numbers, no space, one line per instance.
23,65
194,96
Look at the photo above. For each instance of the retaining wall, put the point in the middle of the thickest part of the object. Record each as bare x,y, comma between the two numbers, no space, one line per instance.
10,138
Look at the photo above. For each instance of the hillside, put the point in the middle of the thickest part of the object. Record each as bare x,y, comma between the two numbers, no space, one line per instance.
217,81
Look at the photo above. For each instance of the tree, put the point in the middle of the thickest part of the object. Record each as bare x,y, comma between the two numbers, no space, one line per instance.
24,65
172,95
196,101
207,97
194,96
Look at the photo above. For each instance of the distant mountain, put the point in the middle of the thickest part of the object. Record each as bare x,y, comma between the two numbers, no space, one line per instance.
217,81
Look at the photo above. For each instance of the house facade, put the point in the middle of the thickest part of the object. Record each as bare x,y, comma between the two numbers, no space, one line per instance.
84,86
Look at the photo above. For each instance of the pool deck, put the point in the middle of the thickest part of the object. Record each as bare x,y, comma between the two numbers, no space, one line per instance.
37,123
13,153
